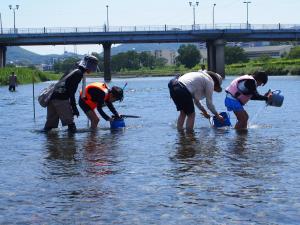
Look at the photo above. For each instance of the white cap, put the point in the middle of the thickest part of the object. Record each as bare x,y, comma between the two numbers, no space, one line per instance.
89,62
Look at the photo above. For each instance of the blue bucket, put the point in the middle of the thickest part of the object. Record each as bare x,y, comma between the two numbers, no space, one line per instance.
277,99
217,123
117,123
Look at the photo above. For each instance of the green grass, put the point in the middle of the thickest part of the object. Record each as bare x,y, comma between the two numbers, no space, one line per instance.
272,67
162,71
26,75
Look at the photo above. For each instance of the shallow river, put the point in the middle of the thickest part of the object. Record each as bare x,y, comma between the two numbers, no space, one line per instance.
149,173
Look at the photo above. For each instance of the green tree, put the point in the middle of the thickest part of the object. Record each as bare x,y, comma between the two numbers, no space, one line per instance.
133,60
125,60
189,55
66,65
235,54
160,62
147,60
101,60
264,58
118,61
294,53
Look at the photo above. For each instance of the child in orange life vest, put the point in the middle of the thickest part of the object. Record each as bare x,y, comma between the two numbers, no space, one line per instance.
98,95
240,91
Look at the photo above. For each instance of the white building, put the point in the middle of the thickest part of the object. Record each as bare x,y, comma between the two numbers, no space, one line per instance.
169,55
252,53
272,51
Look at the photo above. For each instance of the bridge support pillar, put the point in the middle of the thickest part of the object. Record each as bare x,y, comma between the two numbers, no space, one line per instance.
216,56
211,60
107,53
2,56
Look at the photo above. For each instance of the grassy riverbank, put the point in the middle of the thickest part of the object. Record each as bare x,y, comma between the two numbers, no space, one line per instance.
26,75
146,72
271,66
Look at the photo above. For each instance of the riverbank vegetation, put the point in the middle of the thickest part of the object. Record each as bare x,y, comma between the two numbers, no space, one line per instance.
26,75
273,67
237,62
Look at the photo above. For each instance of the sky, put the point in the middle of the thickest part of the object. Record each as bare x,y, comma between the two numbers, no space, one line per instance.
93,13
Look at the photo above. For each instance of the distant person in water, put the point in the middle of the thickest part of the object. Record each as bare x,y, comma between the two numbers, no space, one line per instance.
63,104
188,90
240,91
12,82
98,95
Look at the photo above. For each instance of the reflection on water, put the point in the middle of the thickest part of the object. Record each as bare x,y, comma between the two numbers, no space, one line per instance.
213,168
239,144
149,173
60,147
186,145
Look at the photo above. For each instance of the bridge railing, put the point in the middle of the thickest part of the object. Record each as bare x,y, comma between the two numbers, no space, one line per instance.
178,28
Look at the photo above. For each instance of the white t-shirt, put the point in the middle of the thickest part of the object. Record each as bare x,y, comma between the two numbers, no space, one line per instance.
201,86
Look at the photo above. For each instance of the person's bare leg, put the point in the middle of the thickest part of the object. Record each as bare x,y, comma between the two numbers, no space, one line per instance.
242,120
180,120
93,118
190,121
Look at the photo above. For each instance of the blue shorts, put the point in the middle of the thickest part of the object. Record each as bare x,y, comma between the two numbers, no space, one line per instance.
233,104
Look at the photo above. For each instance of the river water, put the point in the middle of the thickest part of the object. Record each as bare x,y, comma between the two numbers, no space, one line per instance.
149,173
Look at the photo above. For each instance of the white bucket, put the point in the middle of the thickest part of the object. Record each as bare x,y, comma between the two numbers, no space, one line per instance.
276,99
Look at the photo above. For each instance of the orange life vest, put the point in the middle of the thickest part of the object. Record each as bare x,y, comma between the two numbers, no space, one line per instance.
88,98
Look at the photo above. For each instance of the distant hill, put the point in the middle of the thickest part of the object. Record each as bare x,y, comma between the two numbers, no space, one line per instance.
145,47
23,56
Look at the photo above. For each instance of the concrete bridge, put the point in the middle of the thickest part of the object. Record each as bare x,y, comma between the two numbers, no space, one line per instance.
215,38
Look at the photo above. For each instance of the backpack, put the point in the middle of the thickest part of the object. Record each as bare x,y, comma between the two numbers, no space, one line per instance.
45,95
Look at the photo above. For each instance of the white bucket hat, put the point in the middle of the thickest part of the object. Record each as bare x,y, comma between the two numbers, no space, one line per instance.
89,62
217,78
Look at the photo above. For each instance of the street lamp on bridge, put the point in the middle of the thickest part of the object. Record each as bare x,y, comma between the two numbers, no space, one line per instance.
14,8
247,14
107,24
194,5
214,15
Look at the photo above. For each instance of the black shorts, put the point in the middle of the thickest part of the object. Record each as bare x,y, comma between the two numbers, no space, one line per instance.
85,107
182,98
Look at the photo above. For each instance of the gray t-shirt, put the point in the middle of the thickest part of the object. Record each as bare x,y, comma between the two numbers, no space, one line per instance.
13,80
201,86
